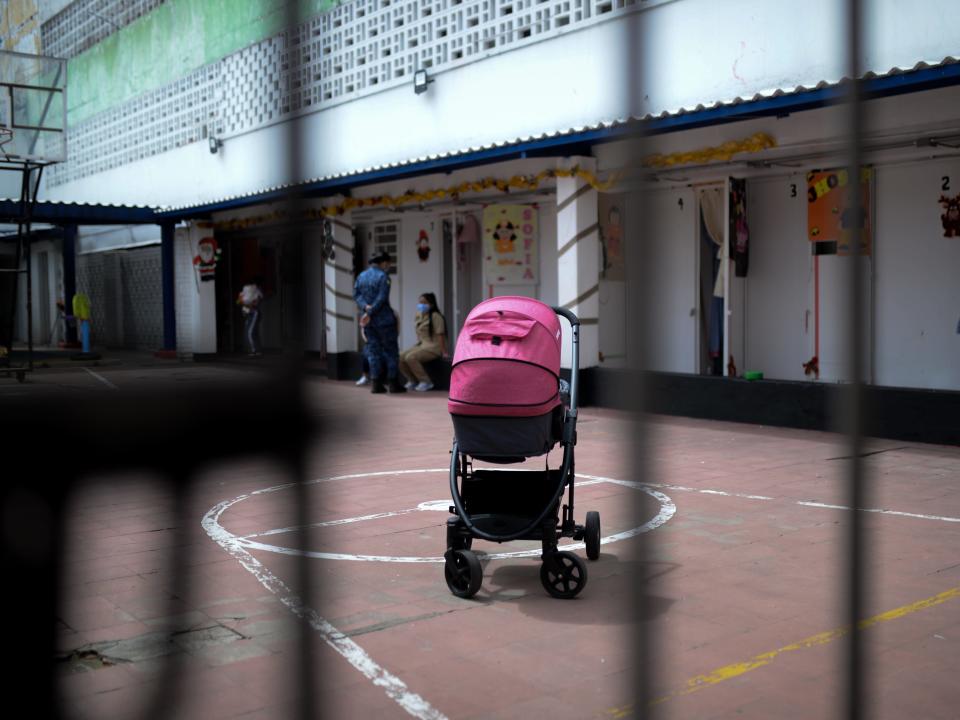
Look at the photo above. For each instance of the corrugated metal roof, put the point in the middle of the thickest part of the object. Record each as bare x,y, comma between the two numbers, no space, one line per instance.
59,212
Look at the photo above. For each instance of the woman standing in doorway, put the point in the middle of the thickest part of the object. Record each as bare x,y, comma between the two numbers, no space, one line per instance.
431,344
249,302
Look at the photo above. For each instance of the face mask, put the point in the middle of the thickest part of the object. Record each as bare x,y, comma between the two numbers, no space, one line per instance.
423,307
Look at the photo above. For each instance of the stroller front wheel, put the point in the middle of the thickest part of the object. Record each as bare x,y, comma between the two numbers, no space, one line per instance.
463,572
563,574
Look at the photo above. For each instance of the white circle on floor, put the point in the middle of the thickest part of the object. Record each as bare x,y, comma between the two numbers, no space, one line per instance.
211,521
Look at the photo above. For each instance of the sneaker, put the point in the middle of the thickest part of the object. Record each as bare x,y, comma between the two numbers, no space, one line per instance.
410,385
424,386
363,380
378,387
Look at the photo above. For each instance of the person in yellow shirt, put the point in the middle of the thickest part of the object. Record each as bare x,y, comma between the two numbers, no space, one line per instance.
81,311
431,344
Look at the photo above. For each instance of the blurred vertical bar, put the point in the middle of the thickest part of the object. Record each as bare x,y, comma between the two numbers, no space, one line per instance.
305,674
852,402
638,330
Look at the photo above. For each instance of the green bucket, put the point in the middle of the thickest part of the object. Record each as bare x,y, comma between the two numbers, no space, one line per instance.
753,375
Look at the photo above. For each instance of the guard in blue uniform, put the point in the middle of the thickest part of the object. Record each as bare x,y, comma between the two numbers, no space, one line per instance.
372,295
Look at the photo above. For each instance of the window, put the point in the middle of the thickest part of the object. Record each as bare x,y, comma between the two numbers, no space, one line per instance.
386,239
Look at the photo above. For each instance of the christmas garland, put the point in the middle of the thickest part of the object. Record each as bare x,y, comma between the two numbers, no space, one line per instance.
453,192
754,143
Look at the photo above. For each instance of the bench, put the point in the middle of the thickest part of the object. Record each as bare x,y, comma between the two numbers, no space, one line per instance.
439,372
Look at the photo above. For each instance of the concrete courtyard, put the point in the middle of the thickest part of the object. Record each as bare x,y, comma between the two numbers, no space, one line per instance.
741,541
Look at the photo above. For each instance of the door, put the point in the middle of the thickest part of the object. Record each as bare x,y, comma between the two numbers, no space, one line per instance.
665,242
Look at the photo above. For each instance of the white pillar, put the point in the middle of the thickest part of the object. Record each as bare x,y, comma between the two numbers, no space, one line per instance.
202,310
340,310
578,260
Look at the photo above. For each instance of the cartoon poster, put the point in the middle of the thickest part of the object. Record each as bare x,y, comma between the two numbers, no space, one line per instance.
610,209
828,217
510,245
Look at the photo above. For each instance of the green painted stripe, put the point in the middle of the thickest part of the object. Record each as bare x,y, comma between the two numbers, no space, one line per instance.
168,43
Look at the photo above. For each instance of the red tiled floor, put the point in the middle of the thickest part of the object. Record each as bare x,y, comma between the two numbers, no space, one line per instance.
735,577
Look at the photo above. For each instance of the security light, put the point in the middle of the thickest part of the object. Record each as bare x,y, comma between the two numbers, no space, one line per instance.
420,81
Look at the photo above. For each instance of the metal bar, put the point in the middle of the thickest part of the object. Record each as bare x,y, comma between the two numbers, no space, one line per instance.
857,693
69,252
28,86
293,141
168,286
646,659
725,259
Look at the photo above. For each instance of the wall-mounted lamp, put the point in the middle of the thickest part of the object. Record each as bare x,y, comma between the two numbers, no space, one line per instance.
420,81
215,144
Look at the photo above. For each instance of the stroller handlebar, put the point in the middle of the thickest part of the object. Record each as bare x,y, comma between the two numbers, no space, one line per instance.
574,357
563,312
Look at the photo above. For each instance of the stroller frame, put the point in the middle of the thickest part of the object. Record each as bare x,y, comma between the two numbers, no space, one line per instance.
562,573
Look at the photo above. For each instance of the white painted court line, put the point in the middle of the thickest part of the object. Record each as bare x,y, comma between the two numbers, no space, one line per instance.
667,510
102,379
804,503
395,688
919,516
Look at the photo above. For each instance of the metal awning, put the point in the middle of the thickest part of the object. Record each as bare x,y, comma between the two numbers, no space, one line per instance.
67,213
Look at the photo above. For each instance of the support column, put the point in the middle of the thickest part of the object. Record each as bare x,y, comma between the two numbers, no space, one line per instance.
340,311
69,253
167,286
578,260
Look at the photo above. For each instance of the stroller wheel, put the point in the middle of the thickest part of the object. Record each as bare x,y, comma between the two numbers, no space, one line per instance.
463,572
563,574
591,535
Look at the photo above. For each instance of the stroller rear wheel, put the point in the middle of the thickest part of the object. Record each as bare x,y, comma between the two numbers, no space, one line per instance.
463,572
591,535
563,574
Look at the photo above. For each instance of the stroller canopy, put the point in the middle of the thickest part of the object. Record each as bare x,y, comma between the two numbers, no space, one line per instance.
507,360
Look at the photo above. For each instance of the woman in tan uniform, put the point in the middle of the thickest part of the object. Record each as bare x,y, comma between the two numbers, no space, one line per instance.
431,344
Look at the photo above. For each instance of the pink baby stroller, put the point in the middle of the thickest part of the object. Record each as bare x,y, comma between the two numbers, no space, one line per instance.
508,403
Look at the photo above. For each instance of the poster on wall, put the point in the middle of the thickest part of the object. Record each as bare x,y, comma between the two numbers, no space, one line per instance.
510,245
829,219
610,210
950,219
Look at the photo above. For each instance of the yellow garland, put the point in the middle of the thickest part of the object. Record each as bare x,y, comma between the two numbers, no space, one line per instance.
754,143
517,182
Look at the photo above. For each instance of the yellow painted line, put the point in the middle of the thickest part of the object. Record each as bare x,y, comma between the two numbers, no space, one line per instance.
727,672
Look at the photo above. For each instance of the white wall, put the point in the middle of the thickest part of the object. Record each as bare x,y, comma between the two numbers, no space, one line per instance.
44,311
915,273
753,46
414,276
314,290
917,278
196,303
